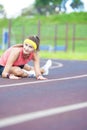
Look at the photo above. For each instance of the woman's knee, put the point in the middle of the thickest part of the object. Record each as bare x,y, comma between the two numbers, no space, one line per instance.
18,71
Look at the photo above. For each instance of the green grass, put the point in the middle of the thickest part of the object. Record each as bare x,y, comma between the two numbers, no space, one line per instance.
24,26
63,55
60,55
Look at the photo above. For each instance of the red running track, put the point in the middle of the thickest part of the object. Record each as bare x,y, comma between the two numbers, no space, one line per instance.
58,103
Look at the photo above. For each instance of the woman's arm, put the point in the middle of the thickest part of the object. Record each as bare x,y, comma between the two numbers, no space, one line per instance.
11,59
37,66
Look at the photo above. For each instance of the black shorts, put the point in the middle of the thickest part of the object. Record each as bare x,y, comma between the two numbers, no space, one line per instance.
2,68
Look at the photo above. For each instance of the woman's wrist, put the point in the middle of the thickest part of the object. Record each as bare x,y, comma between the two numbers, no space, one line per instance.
8,75
38,76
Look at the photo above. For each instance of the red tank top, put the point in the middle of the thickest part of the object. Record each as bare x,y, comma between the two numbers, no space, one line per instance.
20,60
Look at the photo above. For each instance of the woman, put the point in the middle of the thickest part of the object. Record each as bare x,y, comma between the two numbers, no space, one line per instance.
13,63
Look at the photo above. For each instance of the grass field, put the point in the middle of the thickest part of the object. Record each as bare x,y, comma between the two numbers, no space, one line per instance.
61,55
64,55
50,28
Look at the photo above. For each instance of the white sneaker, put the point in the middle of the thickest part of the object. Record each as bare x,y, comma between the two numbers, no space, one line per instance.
46,67
31,73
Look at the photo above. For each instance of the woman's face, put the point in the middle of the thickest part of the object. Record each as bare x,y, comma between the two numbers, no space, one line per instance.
27,48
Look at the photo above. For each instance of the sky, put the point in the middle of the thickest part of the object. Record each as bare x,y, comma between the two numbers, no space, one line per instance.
13,7
69,9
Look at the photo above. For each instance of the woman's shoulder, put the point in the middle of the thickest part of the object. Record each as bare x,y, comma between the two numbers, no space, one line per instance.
18,45
16,49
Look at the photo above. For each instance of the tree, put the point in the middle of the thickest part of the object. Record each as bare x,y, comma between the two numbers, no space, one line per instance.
77,4
2,11
44,6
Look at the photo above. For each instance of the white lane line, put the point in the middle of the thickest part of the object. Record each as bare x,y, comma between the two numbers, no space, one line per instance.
58,65
44,81
40,114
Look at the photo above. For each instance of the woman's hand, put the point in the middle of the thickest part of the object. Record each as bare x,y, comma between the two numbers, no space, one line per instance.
40,77
11,76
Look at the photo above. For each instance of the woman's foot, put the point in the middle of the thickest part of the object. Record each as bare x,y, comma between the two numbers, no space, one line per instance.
46,67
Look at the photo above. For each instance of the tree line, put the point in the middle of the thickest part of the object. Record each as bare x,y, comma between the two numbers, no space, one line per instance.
46,7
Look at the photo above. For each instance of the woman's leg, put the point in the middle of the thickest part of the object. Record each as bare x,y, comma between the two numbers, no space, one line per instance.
28,67
44,70
31,68
17,71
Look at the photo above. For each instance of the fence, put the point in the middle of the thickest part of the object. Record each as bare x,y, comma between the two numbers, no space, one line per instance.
58,37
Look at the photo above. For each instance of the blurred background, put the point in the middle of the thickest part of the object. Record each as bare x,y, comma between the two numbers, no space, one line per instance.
60,24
